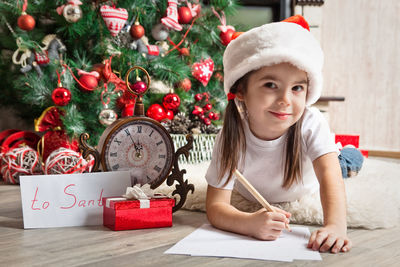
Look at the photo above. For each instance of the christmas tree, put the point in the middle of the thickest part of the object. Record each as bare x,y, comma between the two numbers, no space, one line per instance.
64,63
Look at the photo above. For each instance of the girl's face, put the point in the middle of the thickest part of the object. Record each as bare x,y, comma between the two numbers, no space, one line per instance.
275,99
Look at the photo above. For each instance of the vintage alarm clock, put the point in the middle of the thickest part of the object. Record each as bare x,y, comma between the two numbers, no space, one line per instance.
141,145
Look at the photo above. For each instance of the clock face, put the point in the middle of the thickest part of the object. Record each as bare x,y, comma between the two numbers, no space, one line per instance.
142,146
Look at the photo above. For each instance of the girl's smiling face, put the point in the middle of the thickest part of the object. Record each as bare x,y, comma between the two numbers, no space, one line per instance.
275,99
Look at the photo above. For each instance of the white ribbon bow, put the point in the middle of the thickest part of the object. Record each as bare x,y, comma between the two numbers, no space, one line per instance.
136,192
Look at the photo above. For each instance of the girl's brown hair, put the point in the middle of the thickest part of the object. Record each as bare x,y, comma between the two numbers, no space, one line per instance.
233,141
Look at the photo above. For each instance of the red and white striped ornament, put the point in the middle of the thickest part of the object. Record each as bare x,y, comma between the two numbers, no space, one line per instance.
114,18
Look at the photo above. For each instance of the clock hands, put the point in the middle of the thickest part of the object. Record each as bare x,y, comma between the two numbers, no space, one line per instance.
138,147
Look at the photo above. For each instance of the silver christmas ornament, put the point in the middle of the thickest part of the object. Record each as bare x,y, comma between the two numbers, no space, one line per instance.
72,13
107,116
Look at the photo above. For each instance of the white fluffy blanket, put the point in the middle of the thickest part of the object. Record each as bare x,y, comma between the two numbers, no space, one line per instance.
373,197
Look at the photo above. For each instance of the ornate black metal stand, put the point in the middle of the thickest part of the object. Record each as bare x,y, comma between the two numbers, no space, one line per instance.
183,187
88,150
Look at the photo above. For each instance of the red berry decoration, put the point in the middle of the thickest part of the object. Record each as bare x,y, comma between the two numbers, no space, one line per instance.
184,15
198,97
139,87
207,106
211,115
156,112
226,37
26,22
197,110
61,96
169,115
137,31
171,101
128,110
207,121
89,82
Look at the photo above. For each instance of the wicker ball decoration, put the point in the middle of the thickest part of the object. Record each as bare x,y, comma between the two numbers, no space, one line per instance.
19,161
67,161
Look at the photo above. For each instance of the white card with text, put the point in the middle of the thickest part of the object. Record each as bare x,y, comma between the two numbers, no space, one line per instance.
69,199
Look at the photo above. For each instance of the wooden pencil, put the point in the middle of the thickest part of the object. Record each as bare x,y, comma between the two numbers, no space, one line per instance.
256,194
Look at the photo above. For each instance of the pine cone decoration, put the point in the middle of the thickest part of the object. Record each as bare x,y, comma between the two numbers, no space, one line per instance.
179,125
182,124
209,129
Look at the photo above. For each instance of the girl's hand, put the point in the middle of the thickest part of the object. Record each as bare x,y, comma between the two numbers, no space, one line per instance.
330,238
268,225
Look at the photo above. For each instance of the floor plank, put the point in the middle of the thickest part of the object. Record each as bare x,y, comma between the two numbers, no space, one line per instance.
99,246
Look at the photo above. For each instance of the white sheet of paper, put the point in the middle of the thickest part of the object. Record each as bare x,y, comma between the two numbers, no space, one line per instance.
209,241
69,199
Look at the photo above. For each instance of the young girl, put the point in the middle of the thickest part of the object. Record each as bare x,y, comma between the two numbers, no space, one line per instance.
272,74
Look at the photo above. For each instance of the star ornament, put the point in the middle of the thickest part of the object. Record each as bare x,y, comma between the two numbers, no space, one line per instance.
203,70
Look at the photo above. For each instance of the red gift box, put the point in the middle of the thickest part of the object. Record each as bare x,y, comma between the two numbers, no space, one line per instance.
126,214
346,139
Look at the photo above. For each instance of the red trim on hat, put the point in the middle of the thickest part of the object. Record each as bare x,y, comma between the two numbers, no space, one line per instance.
298,19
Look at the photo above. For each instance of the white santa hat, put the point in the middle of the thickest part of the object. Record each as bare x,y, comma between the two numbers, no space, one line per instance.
286,41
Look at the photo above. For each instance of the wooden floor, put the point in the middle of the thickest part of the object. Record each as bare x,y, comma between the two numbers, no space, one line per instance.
99,246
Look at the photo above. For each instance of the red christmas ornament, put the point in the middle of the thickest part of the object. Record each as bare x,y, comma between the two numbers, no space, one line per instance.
184,15
26,22
207,106
61,96
198,97
128,110
89,81
203,70
226,37
137,31
156,112
169,115
171,101
139,87
185,84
